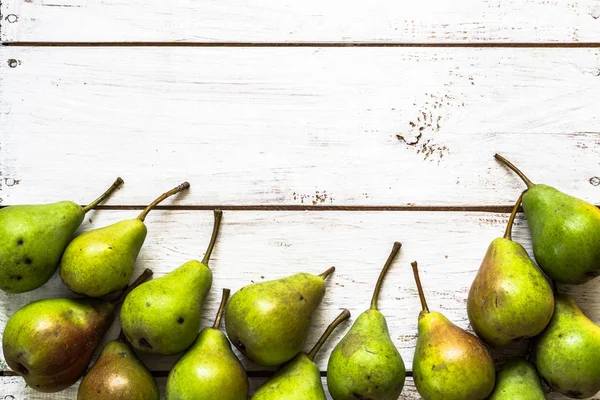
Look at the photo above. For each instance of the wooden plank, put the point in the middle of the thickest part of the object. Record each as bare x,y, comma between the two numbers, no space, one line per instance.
257,246
298,126
288,21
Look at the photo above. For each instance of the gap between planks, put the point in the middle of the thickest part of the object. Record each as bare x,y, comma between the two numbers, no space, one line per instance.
302,44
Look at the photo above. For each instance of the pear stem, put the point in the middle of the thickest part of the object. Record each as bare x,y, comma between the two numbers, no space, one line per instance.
104,195
141,279
419,286
515,170
340,318
395,249
163,196
325,274
221,310
511,220
213,238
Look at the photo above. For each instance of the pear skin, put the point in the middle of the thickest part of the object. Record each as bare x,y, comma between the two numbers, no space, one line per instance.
565,231
510,298
209,370
33,239
118,374
51,342
517,380
567,353
269,321
449,363
300,378
170,306
365,364
101,261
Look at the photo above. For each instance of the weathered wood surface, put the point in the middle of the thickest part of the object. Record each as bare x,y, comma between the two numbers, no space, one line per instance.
257,246
288,21
298,126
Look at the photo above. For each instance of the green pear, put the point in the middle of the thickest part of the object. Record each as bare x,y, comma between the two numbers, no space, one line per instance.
449,363
565,231
517,380
51,342
269,321
567,353
101,261
365,364
34,237
300,378
510,297
209,369
118,374
170,306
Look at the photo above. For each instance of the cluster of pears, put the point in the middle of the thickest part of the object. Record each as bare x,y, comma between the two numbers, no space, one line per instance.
51,342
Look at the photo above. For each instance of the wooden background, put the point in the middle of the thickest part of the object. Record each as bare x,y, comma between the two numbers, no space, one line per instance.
324,130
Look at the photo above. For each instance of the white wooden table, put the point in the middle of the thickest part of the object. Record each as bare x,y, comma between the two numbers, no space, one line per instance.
325,130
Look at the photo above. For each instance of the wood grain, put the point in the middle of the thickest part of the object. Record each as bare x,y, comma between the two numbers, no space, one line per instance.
288,21
258,246
347,127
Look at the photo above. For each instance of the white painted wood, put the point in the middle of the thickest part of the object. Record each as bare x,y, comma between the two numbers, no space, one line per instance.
298,126
381,21
257,246
15,388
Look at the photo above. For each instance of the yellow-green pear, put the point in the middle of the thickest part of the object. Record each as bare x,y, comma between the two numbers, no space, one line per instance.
50,342
565,231
209,370
517,380
510,298
300,378
33,238
163,316
449,363
101,261
268,321
365,364
118,373
567,353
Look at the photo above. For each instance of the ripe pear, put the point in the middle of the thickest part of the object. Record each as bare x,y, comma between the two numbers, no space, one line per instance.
34,237
268,321
449,363
518,380
101,261
565,231
567,353
209,369
118,374
510,297
300,378
365,364
170,306
51,342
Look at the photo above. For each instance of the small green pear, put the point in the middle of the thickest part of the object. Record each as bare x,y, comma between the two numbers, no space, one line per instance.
565,231
517,380
209,370
300,378
510,297
365,364
269,321
567,353
170,306
101,261
51,342
118,374
34,237
449,363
